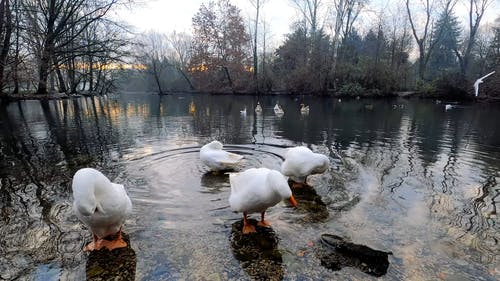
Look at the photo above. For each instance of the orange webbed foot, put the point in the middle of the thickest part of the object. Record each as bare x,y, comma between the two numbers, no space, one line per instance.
115,244
264,223
249,229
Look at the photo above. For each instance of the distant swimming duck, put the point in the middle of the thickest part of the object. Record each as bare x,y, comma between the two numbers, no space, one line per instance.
244,111
278,110
304,109
217,159
301,162
102,206
258,108
256,189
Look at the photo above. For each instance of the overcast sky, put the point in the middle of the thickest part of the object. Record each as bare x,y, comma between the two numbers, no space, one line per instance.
165,16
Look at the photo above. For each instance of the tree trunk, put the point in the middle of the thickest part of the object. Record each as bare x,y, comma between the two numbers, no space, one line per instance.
255,61
60,80
6,28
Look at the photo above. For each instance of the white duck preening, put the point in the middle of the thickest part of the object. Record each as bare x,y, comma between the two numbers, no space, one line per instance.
304,109
216,159
102,206
258,108
256,189
278,110
301,162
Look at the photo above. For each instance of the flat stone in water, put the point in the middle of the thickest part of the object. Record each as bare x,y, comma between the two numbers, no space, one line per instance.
118,264
309,202
257,252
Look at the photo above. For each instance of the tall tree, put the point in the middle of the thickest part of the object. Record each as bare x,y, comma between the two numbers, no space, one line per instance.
59,23
257,5
445,35
310,10
181,44
345,13
6,26
154,56
424,39
476,10
220,47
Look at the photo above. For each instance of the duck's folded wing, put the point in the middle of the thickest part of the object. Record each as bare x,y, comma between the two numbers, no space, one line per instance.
225,157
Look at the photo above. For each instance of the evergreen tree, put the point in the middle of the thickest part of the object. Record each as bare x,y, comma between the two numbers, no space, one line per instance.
445,35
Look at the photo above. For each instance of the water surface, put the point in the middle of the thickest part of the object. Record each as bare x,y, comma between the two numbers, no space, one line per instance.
406,176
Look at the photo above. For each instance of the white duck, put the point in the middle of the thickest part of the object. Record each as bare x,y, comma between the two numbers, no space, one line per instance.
244,111
102,206
258,108
301,162
278,110
304,109
256,189
216,159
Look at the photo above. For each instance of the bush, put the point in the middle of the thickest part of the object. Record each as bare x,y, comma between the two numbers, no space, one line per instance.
425,88
351,89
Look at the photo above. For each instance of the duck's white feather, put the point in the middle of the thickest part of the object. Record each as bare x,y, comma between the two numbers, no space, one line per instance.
100,204
300,162
256,189
217,159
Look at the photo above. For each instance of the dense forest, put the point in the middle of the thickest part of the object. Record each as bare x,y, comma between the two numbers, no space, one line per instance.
77,46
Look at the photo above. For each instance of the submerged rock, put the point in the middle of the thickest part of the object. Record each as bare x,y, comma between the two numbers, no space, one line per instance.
118,264
310,203
335,253
258,252
214,182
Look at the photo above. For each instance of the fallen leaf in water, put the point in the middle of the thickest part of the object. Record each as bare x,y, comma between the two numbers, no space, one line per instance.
301,253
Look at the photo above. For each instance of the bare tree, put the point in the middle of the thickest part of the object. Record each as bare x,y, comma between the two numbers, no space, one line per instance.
345,14
60,22
181,44
220,47
257,4
310,12
6,26
154,48
424,41
476,10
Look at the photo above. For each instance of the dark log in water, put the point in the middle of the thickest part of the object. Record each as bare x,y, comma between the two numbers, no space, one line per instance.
335,253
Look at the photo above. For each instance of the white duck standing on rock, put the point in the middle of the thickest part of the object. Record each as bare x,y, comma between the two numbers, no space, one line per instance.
216,159
301,162
102,206
256,189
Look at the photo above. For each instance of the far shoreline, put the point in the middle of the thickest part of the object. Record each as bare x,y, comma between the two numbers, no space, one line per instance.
368,95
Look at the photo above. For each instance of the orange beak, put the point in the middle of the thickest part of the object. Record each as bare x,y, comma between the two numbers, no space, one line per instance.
293,201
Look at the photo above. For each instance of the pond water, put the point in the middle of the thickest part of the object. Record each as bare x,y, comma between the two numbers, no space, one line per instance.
406,176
